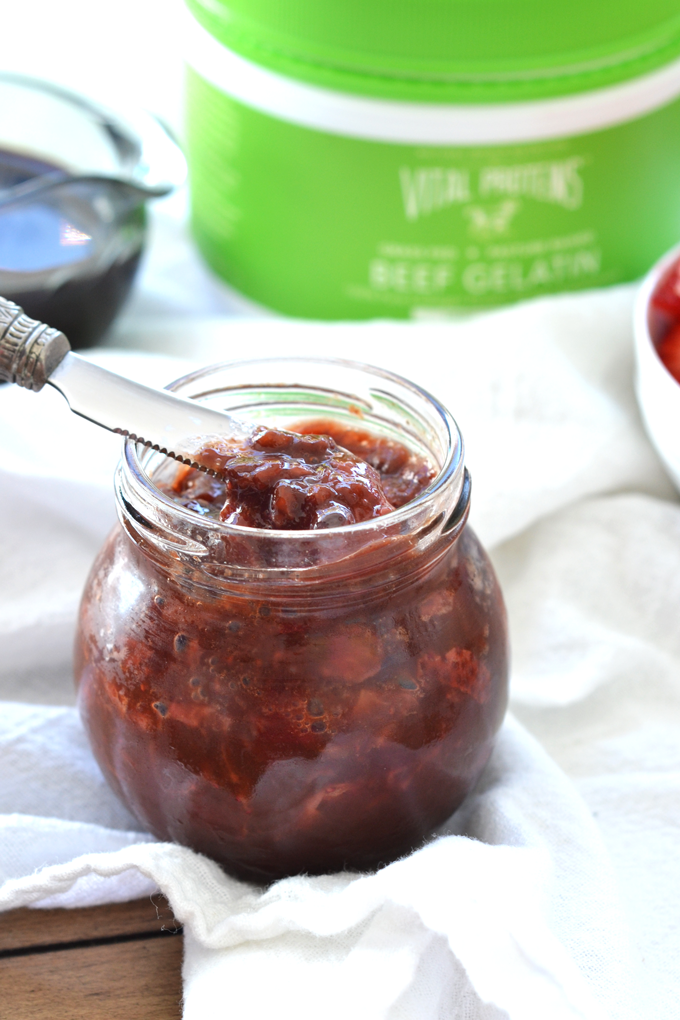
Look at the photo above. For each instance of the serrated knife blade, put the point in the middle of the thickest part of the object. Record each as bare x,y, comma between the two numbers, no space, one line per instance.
157,418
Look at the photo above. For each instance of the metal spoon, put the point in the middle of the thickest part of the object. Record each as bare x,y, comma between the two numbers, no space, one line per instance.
32,354
41,187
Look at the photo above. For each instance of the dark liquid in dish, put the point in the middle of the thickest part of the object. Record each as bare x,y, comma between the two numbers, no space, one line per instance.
52,259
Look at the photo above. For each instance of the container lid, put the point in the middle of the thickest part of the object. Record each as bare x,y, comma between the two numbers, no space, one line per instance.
450,50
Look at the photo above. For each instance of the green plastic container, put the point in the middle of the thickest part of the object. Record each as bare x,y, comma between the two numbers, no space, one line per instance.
359,158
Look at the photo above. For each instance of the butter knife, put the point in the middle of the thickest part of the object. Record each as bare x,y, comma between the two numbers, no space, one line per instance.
33,354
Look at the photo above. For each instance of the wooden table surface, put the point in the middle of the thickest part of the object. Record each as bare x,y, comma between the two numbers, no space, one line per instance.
121,961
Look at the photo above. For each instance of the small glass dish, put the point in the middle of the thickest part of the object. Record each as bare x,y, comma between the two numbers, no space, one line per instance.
74,180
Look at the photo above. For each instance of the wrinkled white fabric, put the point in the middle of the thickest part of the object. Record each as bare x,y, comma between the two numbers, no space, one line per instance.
555,891
479,915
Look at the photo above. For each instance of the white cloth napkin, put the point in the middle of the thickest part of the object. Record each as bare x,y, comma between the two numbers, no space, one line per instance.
555,891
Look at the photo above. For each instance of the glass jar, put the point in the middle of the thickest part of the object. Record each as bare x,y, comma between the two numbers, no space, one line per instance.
295,701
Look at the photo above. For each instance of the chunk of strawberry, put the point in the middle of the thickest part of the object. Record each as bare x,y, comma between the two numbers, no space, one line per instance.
666,296
669,351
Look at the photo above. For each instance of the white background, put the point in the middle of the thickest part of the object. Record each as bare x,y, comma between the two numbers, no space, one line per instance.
119,52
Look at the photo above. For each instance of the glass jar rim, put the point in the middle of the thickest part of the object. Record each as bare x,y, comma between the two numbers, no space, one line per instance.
164,527
450,471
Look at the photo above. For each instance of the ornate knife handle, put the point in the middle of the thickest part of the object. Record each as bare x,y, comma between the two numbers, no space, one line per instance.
29,350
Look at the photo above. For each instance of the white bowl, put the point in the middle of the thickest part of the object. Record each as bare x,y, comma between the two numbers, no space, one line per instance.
658,392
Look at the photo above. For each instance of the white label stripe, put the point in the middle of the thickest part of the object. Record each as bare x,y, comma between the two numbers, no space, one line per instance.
386,120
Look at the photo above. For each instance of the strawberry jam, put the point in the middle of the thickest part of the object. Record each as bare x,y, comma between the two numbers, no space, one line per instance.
284,480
